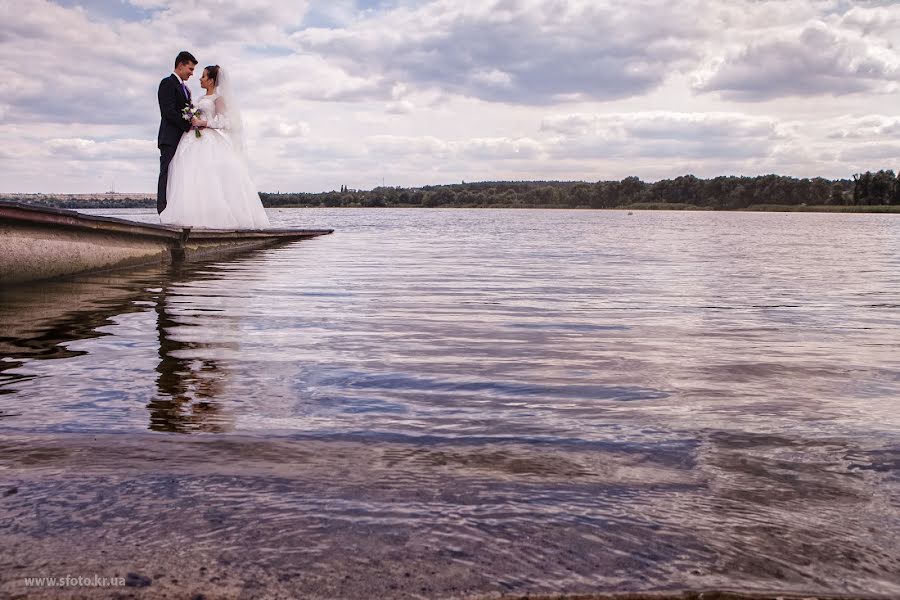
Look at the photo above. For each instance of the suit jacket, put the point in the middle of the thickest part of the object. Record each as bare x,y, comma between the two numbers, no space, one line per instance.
171,102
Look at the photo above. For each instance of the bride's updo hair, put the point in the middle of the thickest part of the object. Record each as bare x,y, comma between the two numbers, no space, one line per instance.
212,71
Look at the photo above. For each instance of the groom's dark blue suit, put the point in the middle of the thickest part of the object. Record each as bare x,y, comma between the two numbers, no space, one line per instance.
172,100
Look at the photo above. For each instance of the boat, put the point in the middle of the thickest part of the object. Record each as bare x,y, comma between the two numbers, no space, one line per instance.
42,243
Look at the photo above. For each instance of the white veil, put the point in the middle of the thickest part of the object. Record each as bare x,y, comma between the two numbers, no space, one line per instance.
225,89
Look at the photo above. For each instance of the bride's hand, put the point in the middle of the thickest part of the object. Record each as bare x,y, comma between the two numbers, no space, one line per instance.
198,122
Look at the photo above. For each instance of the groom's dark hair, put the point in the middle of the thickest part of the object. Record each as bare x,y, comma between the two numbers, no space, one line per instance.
185,57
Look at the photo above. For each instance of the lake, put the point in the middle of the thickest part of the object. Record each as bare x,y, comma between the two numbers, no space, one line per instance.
467,402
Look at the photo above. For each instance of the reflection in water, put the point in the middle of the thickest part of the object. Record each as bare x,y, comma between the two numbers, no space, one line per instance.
46,321
189,389
456,403
37,321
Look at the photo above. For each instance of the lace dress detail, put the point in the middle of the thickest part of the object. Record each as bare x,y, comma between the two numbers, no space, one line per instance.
209,112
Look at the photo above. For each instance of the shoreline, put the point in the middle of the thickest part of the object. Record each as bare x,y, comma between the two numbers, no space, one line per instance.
140,201
139,586
244,516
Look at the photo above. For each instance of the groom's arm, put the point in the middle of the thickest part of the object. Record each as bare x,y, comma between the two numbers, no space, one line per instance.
170,105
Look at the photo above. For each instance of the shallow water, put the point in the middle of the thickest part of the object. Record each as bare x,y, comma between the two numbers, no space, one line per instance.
457,402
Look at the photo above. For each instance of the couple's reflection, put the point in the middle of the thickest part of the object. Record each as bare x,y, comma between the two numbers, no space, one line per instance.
39,321
190,388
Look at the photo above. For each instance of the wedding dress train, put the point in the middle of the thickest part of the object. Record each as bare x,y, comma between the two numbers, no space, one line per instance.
209,183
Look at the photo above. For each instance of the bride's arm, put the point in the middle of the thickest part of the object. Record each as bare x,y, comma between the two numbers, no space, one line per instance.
220,121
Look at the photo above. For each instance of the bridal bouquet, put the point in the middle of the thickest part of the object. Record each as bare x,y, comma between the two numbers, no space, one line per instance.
188,113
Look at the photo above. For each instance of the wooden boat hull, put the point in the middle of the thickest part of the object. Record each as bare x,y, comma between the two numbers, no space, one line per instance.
41,243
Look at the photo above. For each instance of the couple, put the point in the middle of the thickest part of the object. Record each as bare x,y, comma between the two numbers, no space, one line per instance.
204,180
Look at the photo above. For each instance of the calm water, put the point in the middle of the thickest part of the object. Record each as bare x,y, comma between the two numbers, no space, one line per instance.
444,403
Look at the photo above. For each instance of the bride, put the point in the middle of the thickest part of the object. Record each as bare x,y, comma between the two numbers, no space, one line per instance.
209,183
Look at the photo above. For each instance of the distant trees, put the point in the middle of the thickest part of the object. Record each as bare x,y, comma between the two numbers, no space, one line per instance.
880,188
76,201
687,191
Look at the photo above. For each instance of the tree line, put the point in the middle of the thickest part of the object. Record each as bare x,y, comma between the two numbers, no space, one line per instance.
688,191
878,189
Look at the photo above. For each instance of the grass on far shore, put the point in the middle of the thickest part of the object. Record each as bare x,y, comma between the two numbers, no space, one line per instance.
882,208
768,208
657,206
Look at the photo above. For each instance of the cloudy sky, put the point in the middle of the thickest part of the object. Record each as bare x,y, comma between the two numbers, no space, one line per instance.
413,92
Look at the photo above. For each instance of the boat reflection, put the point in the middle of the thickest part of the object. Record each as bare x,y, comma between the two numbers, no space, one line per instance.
40,322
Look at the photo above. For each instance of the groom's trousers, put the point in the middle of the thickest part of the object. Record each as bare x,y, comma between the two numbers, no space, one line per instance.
166,152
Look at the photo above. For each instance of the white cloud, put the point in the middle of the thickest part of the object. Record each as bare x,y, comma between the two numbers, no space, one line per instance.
662,134
210,22
870,127
288,78
429,148
86,149
428,91
526,51
493,77
815,60
401,107
286,130
882,20
874,153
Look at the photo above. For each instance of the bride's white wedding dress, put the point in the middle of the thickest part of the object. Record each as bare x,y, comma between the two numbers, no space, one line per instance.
209,183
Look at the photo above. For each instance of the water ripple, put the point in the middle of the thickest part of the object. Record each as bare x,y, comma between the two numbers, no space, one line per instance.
454,403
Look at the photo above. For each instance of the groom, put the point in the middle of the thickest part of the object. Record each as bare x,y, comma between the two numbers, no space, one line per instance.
173,96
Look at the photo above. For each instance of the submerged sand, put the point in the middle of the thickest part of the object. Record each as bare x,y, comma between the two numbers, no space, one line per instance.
242,517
